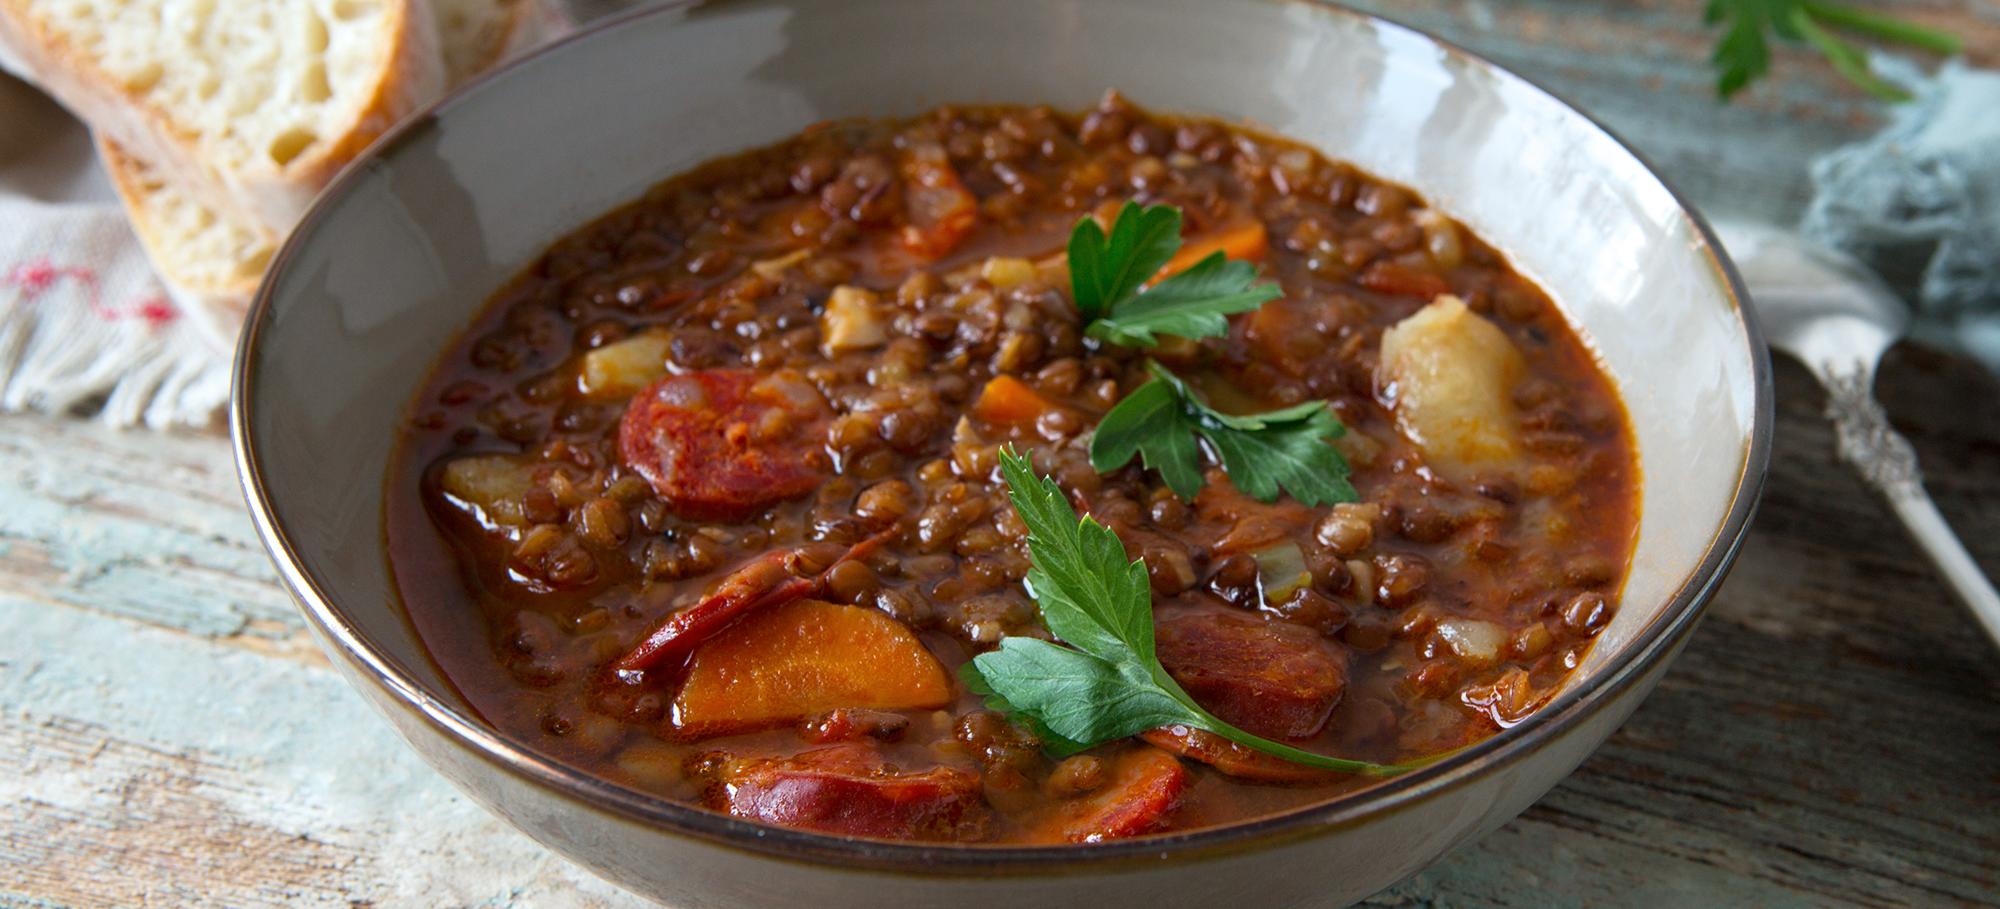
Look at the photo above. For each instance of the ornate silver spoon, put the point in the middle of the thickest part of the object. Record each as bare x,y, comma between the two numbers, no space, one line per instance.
1832,314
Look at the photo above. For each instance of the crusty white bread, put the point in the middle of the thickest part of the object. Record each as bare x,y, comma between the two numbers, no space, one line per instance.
246,105
478,34
209,261
212,259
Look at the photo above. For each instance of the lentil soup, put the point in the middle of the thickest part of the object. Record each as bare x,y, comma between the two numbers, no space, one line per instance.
758,414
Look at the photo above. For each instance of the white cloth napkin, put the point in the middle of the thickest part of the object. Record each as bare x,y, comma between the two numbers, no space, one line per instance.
84,324
1924,193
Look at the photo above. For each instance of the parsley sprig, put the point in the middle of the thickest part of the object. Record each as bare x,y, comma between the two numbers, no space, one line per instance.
1162,420
1263,453
1108,682
1743,53
1109,272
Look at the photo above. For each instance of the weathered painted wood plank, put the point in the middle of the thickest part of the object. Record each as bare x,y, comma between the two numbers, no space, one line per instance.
141,766
166,540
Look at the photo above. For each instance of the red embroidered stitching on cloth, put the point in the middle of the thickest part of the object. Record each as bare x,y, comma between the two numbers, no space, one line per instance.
35,276
156,311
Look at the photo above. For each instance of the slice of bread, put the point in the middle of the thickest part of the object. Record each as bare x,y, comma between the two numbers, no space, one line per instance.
246,106
209,261
211,258
477,35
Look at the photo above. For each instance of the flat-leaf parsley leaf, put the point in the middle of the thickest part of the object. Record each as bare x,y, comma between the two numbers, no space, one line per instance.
1109,273
1743,54
1264,454
1108,682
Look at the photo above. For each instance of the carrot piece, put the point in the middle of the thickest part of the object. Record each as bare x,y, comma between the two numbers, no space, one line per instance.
1245,240
766,580
1400,281
1007,401
799,660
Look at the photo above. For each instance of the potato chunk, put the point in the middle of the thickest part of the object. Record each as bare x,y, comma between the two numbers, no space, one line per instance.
622,368
796,661
1450,376
852,321
488,488
1006,272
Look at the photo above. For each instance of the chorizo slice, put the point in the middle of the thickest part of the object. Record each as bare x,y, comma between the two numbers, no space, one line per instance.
1276,679
1252,525
1145,787
850,790
1384,277
848,724
724,444
1233,759
771,579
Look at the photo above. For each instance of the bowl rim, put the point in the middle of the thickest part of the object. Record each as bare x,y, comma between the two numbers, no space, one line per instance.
1648,649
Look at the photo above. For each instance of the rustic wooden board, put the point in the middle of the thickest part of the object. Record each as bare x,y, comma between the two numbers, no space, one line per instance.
170,737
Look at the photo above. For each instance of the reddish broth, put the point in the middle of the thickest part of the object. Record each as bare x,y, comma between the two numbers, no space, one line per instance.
773,380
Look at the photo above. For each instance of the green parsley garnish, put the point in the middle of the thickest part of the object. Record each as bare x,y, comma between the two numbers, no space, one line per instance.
1108,274
1262,452
1743,54
1107,683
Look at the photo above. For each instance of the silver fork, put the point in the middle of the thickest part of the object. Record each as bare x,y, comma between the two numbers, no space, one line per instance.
1831,313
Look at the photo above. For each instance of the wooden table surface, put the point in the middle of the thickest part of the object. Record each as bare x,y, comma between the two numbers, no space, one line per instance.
170,737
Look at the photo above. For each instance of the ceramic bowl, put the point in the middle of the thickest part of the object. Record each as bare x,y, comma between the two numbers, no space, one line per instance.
396,257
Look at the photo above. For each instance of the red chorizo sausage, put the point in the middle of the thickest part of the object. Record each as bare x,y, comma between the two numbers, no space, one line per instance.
1233,759
1401,281
1146,786
767,580
724,444
847,789
1272,678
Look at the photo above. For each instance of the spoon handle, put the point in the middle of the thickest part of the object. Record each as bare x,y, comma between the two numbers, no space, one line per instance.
1948,555
1885,459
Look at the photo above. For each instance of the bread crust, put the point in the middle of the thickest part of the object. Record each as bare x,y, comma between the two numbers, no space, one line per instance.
410,73
523,24
532,24
527,24
228,297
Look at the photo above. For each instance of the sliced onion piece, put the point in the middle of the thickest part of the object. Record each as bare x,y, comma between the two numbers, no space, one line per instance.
1473,640
1281,572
